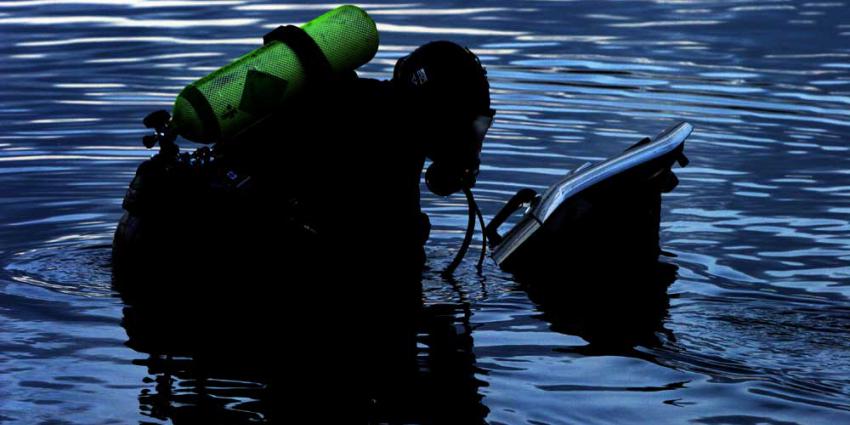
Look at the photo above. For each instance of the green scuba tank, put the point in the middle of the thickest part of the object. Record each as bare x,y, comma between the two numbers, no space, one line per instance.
232,98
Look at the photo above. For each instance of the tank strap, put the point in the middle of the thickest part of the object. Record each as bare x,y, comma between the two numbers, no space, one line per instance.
316,66
205,111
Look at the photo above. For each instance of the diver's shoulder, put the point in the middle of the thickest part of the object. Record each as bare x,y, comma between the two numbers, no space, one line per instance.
366,96
369,84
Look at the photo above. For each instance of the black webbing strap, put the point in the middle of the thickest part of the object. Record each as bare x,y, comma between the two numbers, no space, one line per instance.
317,69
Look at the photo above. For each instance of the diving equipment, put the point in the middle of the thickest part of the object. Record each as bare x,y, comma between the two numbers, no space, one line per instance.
447,93
444,179
474,211
455,165
596,212
220,105
444,78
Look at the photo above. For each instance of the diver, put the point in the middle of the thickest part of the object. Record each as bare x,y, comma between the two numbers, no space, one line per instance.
322,242
339,168
305,223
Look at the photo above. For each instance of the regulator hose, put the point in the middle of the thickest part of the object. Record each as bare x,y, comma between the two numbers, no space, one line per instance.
483,237
467,238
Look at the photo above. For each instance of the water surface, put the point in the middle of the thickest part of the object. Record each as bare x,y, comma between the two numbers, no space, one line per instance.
753,329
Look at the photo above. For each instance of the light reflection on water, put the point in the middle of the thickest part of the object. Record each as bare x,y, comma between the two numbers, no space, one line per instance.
754,328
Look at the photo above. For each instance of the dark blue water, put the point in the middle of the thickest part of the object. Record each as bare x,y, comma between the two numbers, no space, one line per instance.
754,330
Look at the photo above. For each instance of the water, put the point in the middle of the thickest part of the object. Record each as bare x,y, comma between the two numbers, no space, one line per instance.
754,328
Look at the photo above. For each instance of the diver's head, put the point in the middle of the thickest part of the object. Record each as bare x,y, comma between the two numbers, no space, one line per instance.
447,99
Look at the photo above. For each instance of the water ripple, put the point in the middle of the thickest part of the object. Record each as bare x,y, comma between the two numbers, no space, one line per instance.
752,330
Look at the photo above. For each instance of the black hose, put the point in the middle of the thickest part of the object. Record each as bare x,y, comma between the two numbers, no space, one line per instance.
467,239
483,237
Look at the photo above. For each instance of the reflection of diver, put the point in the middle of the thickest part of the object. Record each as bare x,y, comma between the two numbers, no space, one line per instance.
443,388
214,365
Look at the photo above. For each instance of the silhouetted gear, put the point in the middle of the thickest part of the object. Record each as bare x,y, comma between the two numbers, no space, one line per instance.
444,78
445,97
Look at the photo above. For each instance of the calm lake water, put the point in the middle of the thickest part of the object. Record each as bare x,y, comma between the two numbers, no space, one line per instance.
754,329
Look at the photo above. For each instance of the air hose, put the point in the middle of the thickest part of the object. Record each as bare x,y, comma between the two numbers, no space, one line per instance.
467,238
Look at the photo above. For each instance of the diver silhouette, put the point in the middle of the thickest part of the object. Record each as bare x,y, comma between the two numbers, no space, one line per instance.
293,248
337,169
328,192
